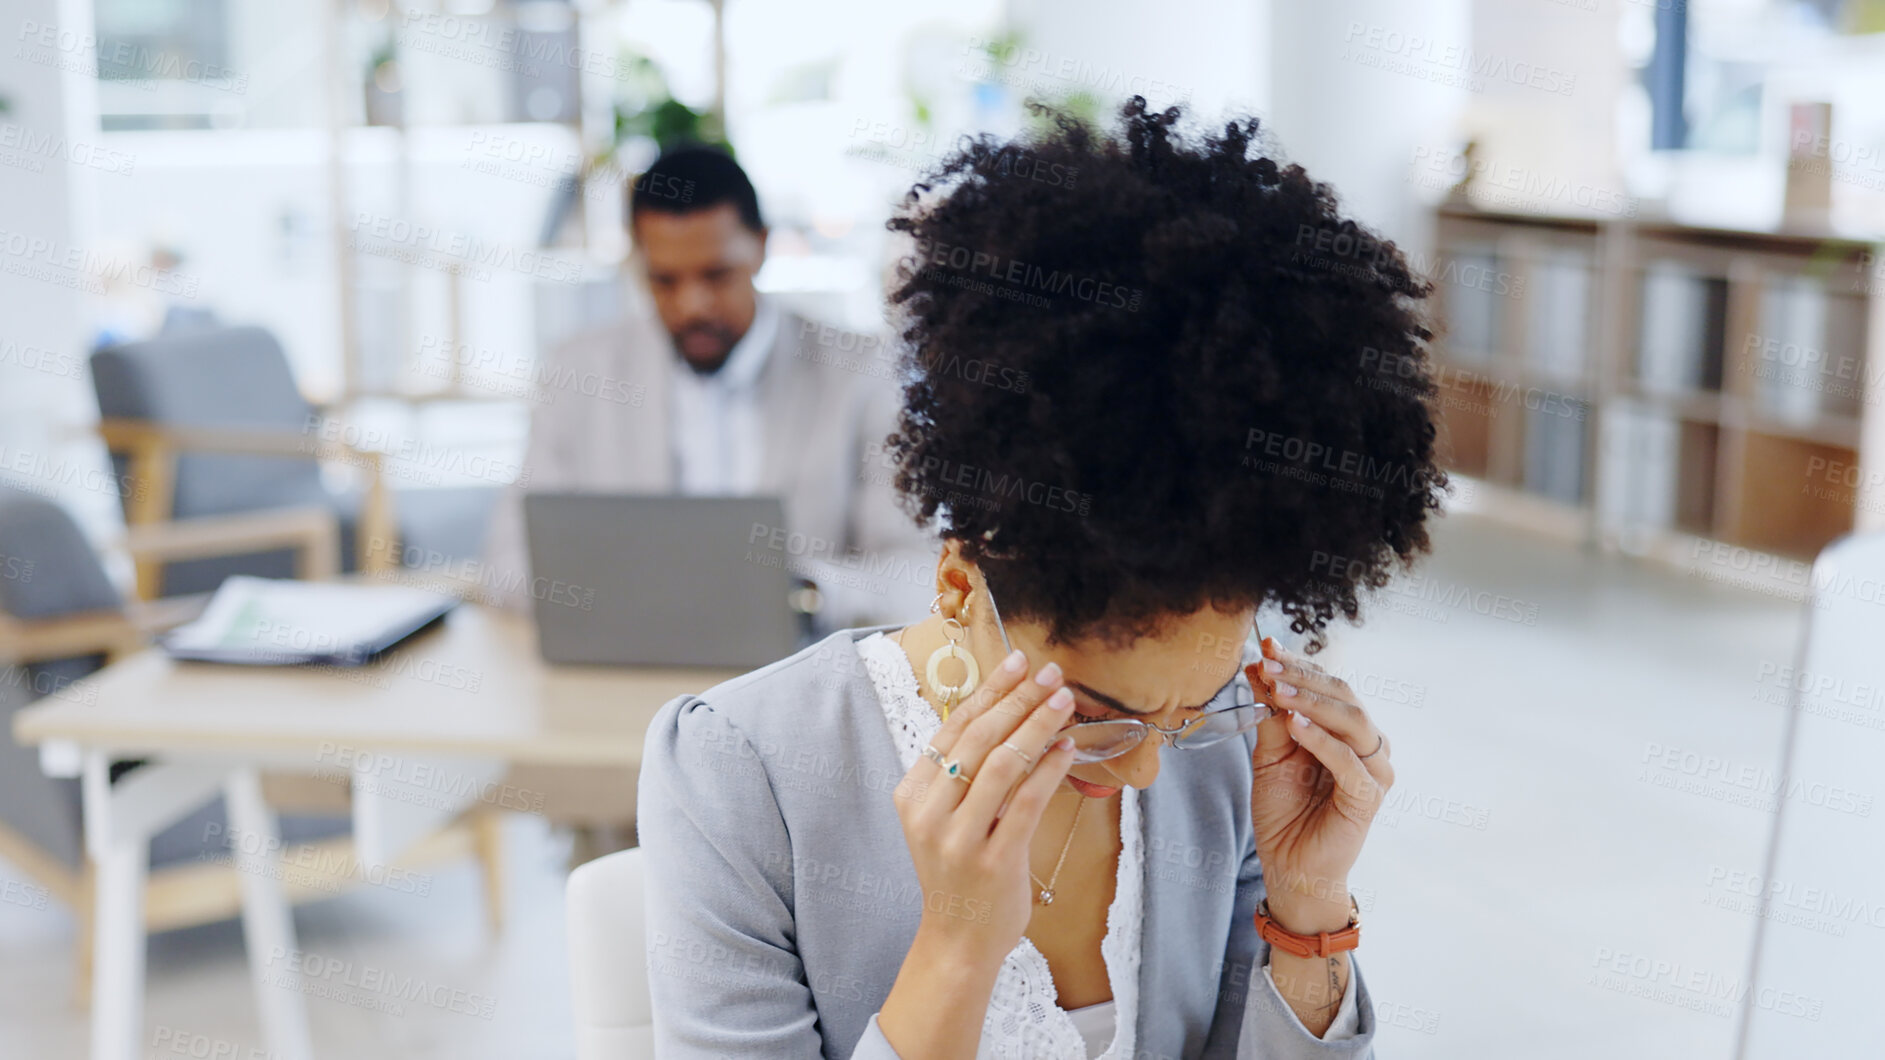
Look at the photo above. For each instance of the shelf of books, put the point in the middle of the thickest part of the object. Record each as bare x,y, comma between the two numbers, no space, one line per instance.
1651,387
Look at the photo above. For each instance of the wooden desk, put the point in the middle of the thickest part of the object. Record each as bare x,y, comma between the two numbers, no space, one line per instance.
476,687
448,712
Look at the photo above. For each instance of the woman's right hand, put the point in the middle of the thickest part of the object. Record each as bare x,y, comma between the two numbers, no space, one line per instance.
971,854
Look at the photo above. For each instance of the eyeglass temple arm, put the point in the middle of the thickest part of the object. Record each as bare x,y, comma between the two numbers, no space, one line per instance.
999,628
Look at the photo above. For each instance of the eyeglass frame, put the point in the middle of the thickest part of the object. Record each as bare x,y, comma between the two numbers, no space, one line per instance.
1170,736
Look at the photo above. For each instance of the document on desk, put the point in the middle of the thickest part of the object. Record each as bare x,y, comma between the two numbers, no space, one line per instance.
278,622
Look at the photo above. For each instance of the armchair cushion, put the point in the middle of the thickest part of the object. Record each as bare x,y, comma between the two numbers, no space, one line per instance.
227,377
47,570
239,377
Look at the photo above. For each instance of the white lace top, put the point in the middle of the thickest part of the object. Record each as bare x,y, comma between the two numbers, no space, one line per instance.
1023,1020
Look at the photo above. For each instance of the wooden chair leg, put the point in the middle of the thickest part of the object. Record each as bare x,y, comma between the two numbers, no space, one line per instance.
83,908
488,834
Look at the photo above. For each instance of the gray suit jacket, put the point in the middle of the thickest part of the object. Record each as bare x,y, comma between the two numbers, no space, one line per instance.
828,399
781,898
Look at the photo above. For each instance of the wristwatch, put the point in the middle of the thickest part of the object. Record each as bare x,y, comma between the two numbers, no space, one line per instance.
1321,944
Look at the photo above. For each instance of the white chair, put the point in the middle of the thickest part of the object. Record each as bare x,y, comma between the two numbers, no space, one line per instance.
1812,982
608,968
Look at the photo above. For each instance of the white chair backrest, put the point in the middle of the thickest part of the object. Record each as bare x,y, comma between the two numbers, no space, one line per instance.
1819,901
608,964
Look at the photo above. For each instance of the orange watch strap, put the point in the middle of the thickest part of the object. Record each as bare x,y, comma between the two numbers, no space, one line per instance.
1321,944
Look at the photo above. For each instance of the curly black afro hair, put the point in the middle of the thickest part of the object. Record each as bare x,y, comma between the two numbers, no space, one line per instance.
1151,374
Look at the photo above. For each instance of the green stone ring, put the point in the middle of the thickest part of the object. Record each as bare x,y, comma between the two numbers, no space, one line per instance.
949,765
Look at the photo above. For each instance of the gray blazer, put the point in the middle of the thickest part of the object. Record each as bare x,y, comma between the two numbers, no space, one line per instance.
781,898
829,398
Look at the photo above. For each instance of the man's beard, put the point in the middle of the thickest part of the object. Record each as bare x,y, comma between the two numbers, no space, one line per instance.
723,343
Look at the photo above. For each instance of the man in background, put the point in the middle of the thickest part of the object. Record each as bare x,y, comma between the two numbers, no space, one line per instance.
731,395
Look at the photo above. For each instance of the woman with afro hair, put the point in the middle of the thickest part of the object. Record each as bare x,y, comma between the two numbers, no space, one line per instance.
1154,383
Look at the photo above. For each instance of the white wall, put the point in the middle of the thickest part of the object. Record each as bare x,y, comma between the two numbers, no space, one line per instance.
1206,51
48,168
1352,97
1296,66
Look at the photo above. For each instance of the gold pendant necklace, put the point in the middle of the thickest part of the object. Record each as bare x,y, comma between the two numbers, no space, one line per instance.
1046,897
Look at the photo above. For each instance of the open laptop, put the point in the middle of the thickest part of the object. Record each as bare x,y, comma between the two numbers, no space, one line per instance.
627,580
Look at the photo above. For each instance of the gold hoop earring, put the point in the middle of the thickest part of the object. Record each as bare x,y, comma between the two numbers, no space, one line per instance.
952,649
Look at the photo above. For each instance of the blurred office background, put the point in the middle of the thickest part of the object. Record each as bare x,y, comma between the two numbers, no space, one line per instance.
1652,226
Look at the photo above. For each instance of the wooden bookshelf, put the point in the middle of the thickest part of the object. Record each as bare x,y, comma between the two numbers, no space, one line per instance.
1652,384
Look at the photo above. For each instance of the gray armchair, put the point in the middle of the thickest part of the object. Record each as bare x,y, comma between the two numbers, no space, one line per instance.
210,422
60,620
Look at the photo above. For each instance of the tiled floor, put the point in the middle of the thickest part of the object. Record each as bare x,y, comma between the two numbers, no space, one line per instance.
507,998
1522,843
1523,685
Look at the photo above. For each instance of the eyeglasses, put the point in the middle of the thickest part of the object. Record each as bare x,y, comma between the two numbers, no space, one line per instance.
1097,741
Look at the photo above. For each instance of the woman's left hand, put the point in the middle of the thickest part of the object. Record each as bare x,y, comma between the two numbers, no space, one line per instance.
1321,773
